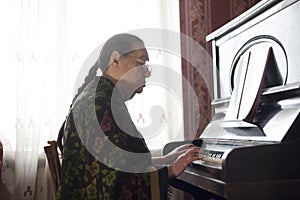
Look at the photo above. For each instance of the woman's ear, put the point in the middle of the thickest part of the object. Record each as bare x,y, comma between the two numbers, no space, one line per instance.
114,58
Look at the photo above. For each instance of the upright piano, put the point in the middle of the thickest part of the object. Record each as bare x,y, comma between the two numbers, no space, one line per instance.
252,144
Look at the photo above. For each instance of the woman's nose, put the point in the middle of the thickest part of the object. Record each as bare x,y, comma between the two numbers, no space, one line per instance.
147,73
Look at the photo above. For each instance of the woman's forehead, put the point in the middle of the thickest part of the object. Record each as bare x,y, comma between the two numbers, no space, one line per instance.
140,52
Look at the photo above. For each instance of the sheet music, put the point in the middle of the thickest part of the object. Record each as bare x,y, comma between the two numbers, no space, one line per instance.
249,84
234,105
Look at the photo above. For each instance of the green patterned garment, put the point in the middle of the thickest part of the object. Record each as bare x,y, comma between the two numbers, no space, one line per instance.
105,156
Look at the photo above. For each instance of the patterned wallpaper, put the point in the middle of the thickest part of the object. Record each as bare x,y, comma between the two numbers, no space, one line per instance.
198,18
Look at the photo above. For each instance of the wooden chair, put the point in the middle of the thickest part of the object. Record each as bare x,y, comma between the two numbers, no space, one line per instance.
54,164
53,158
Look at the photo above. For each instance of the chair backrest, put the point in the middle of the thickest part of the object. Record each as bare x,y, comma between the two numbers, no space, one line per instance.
54,164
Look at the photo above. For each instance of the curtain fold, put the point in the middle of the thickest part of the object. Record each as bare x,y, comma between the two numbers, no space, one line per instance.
29,89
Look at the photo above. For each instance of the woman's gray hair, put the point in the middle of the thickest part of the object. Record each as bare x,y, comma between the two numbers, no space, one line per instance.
123,43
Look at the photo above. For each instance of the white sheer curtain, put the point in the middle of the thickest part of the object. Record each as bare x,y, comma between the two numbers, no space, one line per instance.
43,46
33,79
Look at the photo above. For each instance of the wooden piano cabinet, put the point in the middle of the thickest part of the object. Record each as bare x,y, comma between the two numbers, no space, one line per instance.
262,172
196,192
264,190
205,188
201,187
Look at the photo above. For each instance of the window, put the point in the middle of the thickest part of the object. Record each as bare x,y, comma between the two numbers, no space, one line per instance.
44,45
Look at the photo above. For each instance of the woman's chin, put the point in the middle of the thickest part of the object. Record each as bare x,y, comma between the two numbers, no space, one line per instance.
140,89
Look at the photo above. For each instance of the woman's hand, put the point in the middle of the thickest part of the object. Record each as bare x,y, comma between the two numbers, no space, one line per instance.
183,160
172,156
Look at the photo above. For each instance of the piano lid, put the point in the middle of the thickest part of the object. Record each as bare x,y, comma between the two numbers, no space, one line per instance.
260,65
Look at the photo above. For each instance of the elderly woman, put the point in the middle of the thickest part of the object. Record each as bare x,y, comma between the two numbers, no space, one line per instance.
105,156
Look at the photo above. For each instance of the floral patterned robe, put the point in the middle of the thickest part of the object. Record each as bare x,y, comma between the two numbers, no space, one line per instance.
105,157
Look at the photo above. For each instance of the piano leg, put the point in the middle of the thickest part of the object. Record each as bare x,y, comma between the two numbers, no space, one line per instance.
197,193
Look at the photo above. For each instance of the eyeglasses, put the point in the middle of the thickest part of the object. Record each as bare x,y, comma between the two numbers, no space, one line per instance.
144,64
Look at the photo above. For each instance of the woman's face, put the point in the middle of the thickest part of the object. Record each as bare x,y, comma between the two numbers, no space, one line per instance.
135,71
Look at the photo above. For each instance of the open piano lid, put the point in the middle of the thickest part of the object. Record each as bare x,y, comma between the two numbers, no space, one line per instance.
248,116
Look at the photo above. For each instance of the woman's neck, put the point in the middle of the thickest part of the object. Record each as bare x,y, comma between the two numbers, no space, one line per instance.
110,78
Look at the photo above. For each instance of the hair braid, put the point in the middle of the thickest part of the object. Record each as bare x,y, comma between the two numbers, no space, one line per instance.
92,73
